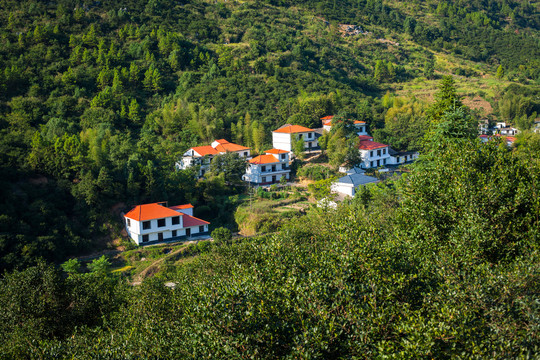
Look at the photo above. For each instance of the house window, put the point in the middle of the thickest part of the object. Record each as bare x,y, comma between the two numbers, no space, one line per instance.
384,151
361,129
146,225
176,220
128,222
145,238
263,168
384,162
161,223
378,152
273,167
398,159
309,145
263,179
371,164
282,156
300,136
174,232
245,154
201,228
309,135
160,236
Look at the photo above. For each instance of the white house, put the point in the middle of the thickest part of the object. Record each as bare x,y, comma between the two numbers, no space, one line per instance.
268,168
401,157
509,139
202,155
359,125
348,184
155,222
373,154
282,138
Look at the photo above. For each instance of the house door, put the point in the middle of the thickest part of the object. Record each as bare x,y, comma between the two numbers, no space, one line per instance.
188,232
378,163
273,179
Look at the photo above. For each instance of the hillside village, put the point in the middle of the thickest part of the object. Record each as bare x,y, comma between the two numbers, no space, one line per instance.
156,222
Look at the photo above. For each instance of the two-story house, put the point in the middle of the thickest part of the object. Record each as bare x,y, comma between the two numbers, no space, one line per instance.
202,155
268,168
283,137
373,154
155,222
361,126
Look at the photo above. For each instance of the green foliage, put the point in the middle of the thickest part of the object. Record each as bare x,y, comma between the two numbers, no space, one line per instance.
231,165
100,266
221,235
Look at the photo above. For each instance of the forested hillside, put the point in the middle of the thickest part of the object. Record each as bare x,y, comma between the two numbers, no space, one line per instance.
99,99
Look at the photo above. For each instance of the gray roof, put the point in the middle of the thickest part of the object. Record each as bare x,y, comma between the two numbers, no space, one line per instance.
357,179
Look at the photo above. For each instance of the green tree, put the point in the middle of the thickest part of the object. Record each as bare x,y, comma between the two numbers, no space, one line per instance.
298,147
231,165
500,72
100,266
72,266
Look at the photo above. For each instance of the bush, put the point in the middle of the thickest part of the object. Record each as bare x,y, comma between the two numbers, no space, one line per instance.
221,235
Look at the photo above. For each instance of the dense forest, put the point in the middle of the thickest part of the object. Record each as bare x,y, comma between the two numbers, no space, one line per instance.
98,100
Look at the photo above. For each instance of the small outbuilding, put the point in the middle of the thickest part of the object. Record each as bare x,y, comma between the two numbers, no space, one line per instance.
348,184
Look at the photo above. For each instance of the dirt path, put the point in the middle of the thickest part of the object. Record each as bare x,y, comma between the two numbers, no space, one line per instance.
153,267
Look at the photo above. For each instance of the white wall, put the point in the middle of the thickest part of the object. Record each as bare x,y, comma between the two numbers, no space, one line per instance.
136,231
369,156
281,141
347,189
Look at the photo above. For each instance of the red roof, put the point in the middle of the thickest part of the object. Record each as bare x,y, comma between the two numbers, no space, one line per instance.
205,150
329,117
193,221
150,212
292,129
181,207
365,138
264,159
356,122
221,141
276,151
370,145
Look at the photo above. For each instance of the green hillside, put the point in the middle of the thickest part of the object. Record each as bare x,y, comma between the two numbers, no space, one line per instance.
99,99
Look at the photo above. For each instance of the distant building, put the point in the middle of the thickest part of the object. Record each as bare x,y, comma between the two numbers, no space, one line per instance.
155,222
203,155
361,126
508,139
283,137
402,157
268,168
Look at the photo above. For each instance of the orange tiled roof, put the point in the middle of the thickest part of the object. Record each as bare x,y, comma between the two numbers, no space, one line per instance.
205,150
150,212
181,207
224,147
356,122
329,117
222,141
276,151
370,145
292,129
264,159
193,221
